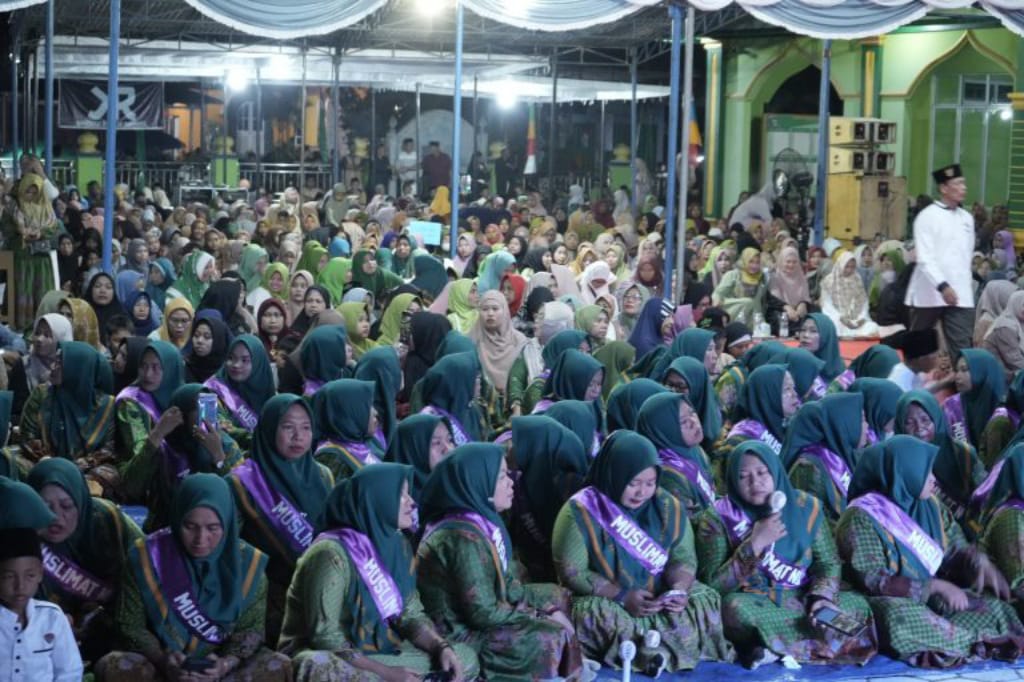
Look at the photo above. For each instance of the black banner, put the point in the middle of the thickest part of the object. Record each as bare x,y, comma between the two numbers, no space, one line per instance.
83,105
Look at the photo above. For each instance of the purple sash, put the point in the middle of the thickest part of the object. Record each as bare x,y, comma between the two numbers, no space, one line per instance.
835,465
776,569
360,451
894,520
982,492
287,521
953,408
755,430
542,406
489,530
693,472
459,435
845,379
72,579
144,399
172,576
379,435
626,534
872,437
503,438
239,409
818,388
175,465
311,386
371,570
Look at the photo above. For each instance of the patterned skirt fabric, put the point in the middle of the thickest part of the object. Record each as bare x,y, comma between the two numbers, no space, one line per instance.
686,638
127,666
324,666
33,278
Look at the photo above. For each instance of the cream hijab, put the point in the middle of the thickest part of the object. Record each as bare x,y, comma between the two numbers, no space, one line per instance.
497,349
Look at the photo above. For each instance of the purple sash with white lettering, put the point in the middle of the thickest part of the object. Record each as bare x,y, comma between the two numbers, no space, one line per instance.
244,415
311,386
287,522
487,529
361,452
73,580
143,398
626,534
459,435
982,492
845,379
953,408
818,388
755,430
368,564
835,465
692,471
172,575
776,569
904,529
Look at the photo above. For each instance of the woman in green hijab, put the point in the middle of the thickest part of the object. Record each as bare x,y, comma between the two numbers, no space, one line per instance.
617,357
1002,515
275,281
397,313
357,326
322,356
777,570
345,622
253,263
243,385
805,368
574,376
695,343
896,539
673,426
818,335
85,550
71,417
197,271
466,579
552,350
551,463
462,305
368,274
217,613
821,447
347,422
421,441
382,367
876,362
881,279
625,401
625,549
313,255
280,493
593,321
958,470
976,414
451,389
880,399
143,417
335,275
689,377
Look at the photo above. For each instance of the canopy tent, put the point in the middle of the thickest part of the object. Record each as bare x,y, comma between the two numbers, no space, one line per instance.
401,70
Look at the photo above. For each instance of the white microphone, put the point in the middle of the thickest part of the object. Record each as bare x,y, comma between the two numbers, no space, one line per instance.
777,501
627,652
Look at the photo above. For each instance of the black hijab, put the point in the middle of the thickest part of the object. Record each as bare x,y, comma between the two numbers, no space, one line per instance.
427,331
199,369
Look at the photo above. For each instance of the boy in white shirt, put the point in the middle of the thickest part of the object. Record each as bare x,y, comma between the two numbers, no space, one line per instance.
36,641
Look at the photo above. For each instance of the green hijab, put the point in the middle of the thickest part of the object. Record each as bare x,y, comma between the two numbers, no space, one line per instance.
351,312
988,390
86,545
333,277
391,321
761,398
1009,483
342,409
828,348
465,481
617,357
173,372
259,387
268,273
875,291
804,366
189,283
552,464
449,386
369,502
585,318
380,281
252,254
454,342
571,375
953,464
625,401
898,469
876,362
21,506
658,421
691,343
580,417
76,413
411,446
880,399
761,354
185,398
461,313
559,343
381,366
702,395
312,252
323,353
299,480
802,514
430,275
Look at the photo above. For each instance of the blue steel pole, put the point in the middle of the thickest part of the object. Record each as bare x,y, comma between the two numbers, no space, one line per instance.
453,232
823,100
676,14
48,116
633,132
15,50
109,170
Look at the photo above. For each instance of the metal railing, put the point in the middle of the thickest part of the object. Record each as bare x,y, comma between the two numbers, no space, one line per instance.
169,175
275,177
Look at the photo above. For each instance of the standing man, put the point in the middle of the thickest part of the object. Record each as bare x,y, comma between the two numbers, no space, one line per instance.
437,170
405,166
940,288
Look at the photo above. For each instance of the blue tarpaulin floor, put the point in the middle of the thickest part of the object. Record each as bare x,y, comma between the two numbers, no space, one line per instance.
880,669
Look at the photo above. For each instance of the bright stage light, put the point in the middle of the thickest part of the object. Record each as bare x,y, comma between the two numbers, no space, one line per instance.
1006,114
279,68
237,80
506,97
